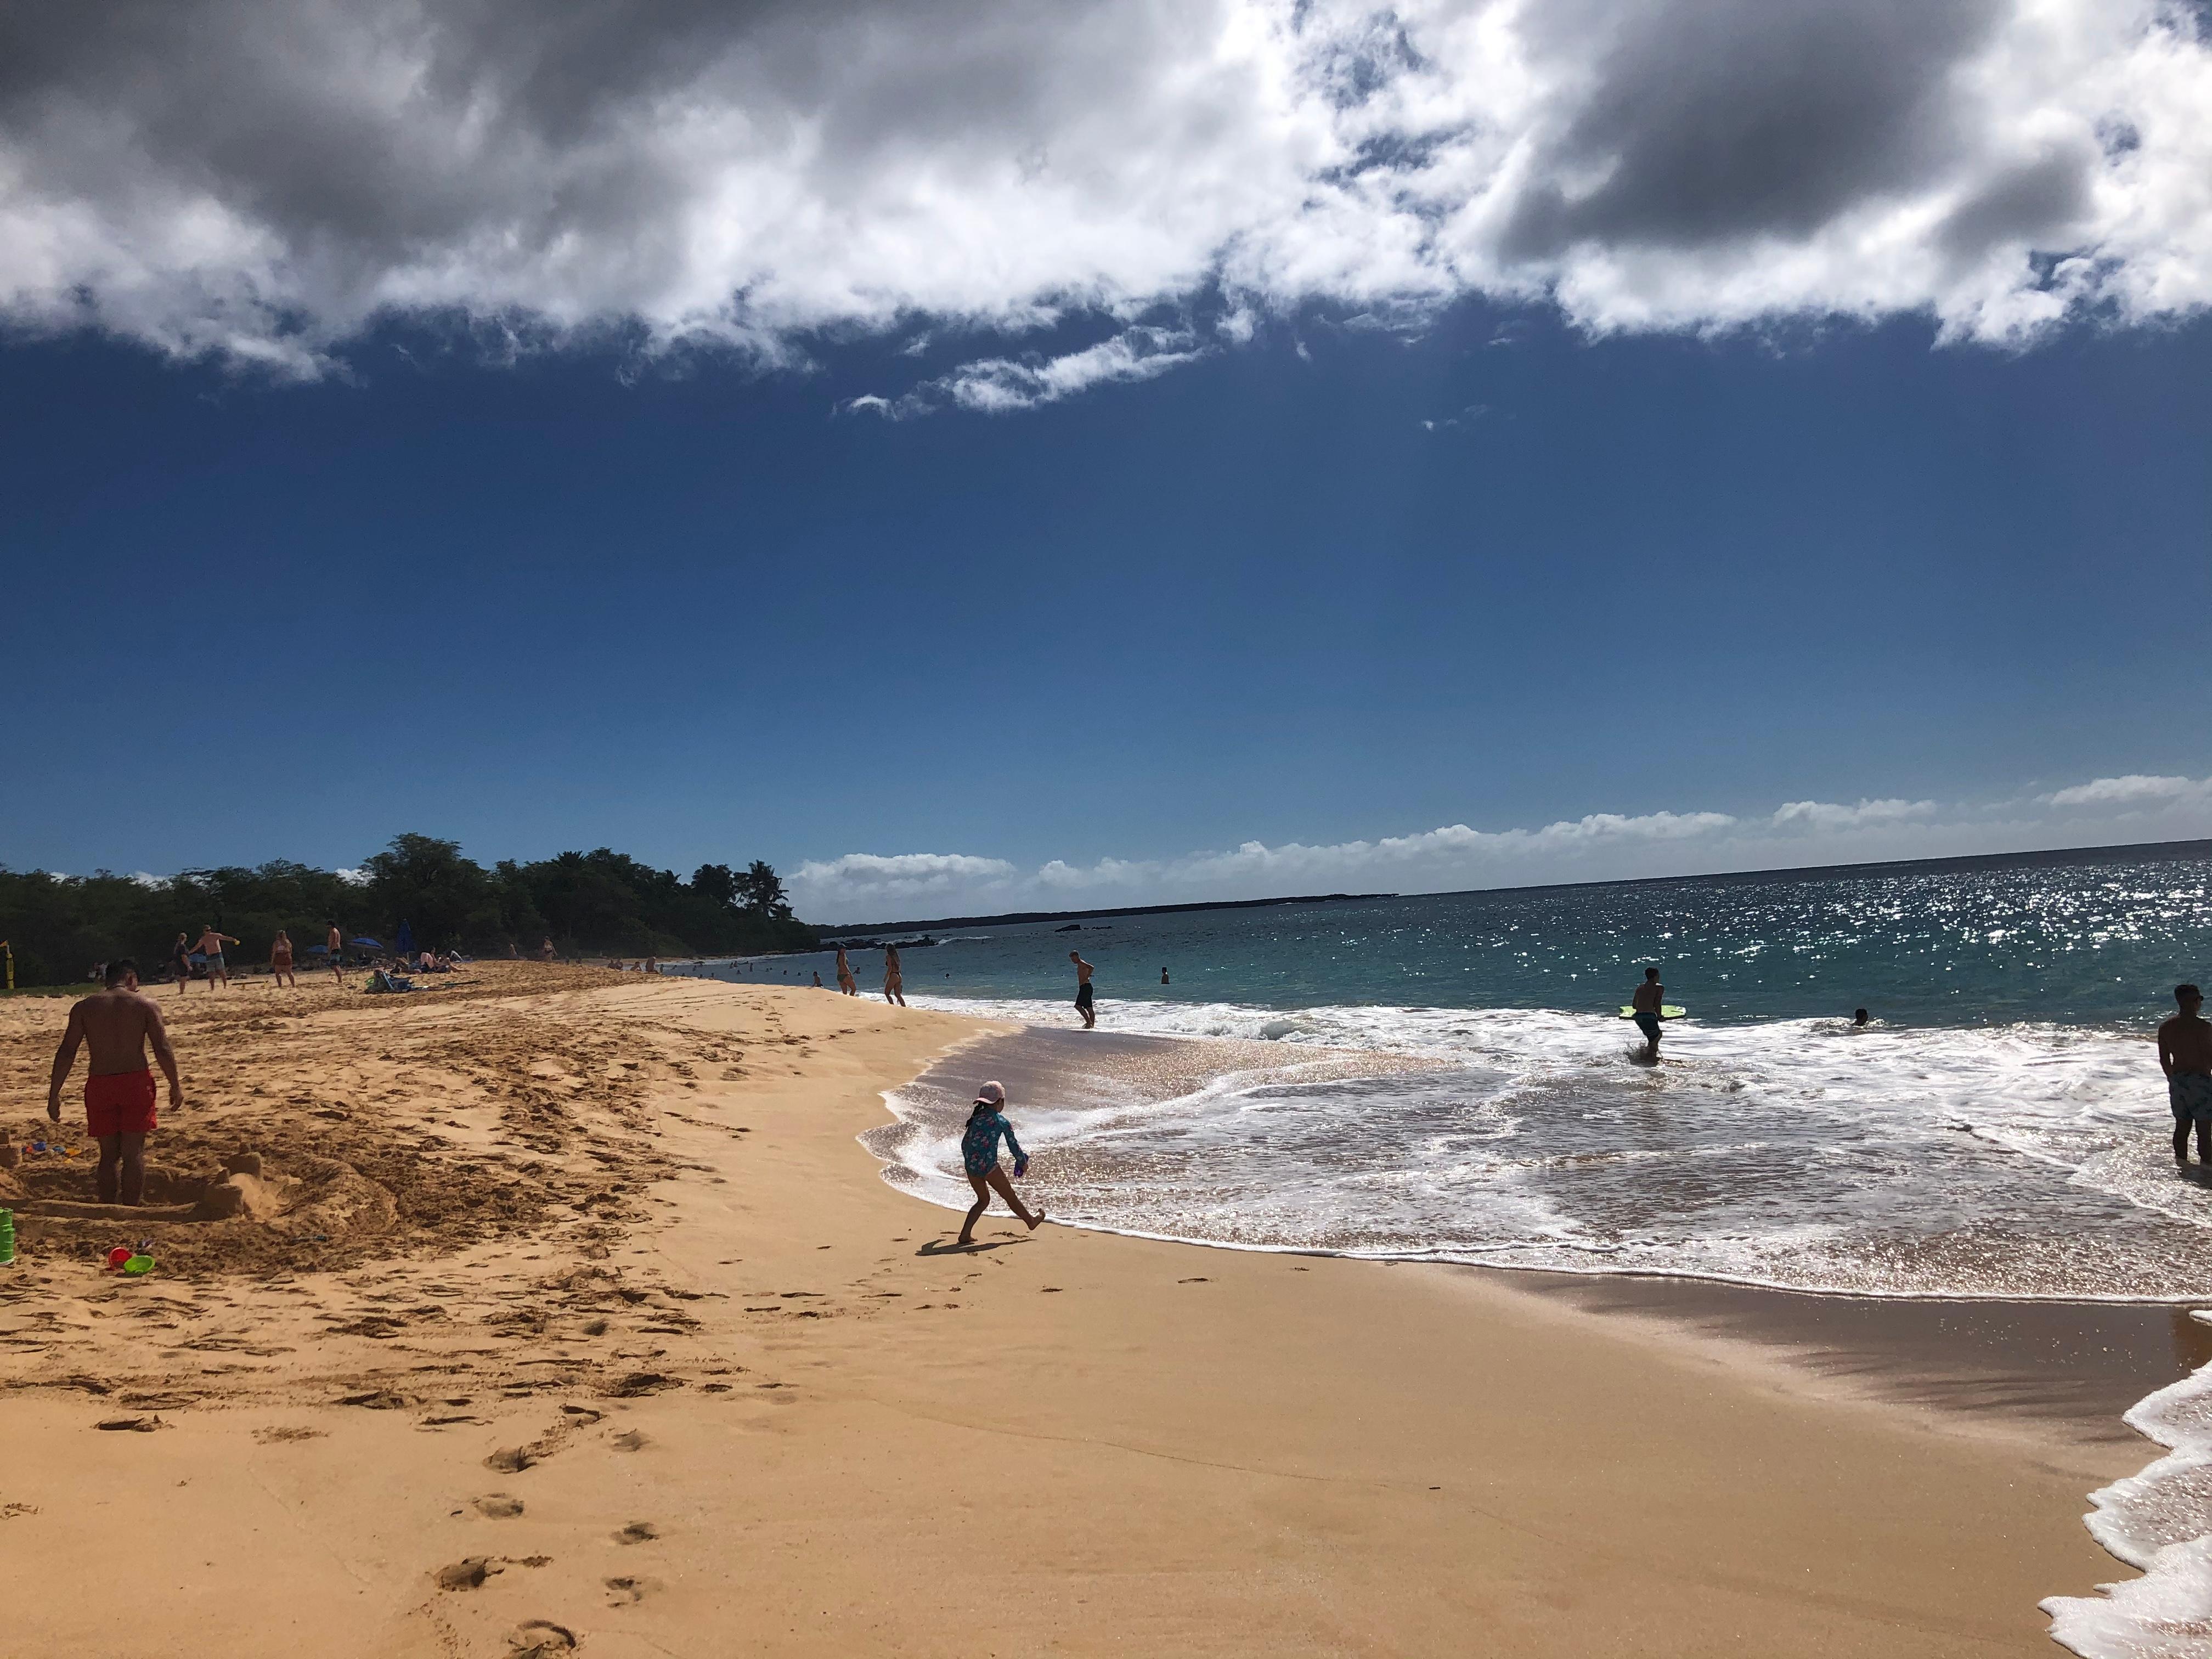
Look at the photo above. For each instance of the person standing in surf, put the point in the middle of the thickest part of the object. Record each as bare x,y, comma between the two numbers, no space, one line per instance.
2184,1055
1085,1003
979,1156
894,977
1650,998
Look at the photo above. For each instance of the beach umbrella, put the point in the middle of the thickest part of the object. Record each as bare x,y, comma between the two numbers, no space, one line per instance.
406,945
367,943
319,950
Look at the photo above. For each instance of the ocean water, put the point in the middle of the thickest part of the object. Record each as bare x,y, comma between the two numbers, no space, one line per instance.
1446,1078
2000,1129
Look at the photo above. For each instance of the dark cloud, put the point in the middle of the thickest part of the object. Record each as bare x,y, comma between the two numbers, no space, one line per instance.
1714,119
261,177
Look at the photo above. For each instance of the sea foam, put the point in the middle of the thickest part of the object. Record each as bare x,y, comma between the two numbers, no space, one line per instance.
2160,1521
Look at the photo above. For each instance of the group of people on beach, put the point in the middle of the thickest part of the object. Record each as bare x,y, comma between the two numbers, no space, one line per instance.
207,955
118,1025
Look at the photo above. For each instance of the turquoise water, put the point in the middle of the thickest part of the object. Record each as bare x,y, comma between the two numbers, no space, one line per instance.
2087,944
1445,1077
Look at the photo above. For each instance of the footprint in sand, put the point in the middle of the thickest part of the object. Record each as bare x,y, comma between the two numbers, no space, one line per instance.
638,1532
631,1440
466,1575
626,1592
509,1459
539,1639
498,1506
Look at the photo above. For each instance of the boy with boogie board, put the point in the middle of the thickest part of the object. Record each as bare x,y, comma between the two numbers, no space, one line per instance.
1648,1006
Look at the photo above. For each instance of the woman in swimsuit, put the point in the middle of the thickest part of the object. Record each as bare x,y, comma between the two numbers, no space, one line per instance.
180,962
894,980
979,1152
845,982
280,960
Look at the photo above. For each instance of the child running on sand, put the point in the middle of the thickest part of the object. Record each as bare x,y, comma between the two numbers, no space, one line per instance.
979,1152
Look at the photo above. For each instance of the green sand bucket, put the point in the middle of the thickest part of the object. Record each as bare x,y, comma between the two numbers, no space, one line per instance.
139,1264
7,1236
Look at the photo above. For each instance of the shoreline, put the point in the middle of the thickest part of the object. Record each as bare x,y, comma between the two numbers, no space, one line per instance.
731,1382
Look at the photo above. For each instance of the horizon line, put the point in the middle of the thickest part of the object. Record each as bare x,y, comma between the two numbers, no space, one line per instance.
2160,851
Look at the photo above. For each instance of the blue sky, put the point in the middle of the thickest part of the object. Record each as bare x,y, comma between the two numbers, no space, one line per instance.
1204,590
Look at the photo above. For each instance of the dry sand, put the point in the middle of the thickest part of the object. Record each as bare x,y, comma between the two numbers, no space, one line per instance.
565,1311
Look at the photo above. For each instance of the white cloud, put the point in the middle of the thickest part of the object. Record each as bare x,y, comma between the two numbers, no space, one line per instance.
355,878
1830,815
859,884
264,179
2135,789
1597,847
999,385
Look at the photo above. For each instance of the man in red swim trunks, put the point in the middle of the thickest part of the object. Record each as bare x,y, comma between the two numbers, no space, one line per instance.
118,1024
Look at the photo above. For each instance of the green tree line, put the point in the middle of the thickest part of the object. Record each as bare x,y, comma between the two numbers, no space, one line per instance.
597,903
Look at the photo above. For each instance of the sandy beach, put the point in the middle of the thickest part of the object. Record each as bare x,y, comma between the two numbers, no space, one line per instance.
562,1309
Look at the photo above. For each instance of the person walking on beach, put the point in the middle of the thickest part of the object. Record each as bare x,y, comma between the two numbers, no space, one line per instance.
846,983
336,940
979,1155
2184,1055
180,962
1650,998
280,959
894,977
211,946
119,1024
1086,1004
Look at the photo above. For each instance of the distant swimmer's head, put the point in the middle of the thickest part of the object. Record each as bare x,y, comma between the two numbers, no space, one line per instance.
1859,1017
124,972
2187,995
1651,973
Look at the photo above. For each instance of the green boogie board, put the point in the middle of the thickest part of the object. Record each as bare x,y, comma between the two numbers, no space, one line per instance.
1667,1011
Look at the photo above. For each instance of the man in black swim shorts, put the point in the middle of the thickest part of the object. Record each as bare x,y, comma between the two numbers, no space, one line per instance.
1084,1005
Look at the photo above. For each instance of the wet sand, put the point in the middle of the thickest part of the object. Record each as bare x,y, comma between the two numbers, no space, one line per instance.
638,1354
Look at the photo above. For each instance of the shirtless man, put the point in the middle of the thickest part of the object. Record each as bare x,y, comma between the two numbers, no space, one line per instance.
119,1091
894,977
1649,997
336,940
211,946
2184,1055
1084,1005
846,983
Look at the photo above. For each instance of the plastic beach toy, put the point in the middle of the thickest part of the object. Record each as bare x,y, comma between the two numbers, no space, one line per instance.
7,1236
139,1264
119,1254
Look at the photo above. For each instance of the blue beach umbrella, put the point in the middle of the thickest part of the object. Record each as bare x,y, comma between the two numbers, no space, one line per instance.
406,946
366,944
